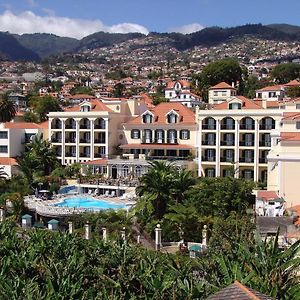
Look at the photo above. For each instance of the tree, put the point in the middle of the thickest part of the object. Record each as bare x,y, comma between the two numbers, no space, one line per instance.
284,73
81,90
220,196
293,92
227,70
154,188
119,90
41,106
7,110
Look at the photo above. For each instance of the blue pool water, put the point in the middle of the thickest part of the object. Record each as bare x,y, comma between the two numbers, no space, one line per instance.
91,203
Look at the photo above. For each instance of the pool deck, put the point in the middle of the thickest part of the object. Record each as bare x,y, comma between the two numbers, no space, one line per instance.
47,208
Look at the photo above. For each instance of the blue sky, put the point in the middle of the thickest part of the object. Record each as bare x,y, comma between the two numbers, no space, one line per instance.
142,15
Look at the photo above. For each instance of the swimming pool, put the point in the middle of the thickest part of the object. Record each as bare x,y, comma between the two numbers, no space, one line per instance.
90,203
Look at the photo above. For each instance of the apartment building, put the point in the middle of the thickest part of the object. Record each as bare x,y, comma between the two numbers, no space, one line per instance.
13,137
90,130
180,92
284,159
220,92
235,138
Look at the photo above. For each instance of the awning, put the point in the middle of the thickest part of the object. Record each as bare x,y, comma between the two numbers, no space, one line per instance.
157,146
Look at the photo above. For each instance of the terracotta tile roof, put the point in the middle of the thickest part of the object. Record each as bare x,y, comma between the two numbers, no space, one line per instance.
22,125
272,104
113,99
246,104
96,162
81,96
97,105
267,195
291,116
147,100
184,83
271,88
186,115
222,85
44,125
8,161
157,146
296,209
292,83
238,291
290,136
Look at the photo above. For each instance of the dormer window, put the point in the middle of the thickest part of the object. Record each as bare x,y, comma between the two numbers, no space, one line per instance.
235,105
172,118
147,118
85,108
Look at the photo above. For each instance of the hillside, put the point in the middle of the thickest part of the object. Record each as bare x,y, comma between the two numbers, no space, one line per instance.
47,44
34,46
11,49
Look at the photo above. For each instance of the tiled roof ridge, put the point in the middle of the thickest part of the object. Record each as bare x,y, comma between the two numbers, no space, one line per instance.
246,290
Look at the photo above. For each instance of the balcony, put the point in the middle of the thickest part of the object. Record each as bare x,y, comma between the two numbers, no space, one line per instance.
209,158
265,144
227,143
99,141
159,141
247,143
246,159
227,126
56,126
210,143
99,155
172,141
227,159
208,127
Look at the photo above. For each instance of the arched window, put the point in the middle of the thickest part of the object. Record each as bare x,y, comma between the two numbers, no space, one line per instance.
172,118
147,118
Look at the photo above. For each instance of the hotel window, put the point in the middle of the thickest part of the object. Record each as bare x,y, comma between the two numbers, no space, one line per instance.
235,106
248,174
172,118
85,108
185,134
223,93
3,149
210,172
3,135
297,125
172,136
215,93
135,134
147,118
272,94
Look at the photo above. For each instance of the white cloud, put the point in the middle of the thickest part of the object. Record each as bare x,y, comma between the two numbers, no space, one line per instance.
28,22
189,28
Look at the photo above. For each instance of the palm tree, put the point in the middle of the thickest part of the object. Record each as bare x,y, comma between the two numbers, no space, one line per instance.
7,110
155,188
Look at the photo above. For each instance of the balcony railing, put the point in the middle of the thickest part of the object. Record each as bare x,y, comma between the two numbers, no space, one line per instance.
227,126
99,141
208,126
247,126
99,126
99,155
227,143
207,142
71,126
263,160
246,159
85,126
227,159
266,127
162,141
56,126
56,140
85,155
85,140
68,140
265,143
247,143
68,154
208,158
